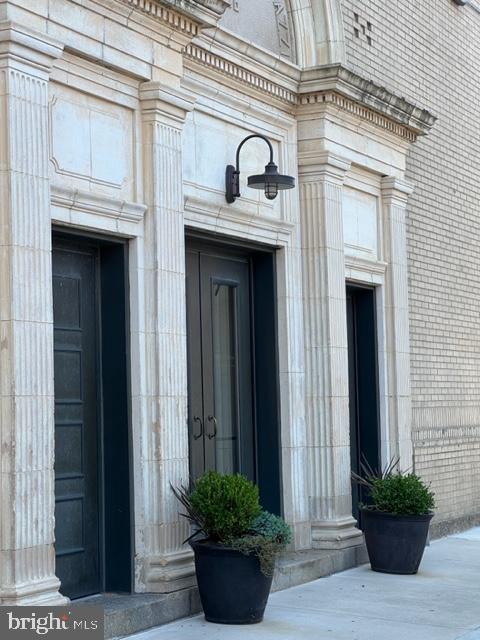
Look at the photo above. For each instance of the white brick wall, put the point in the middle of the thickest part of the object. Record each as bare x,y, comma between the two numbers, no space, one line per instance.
429,52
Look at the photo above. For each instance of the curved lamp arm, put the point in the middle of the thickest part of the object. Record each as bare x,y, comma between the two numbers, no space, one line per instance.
232,176
253,135
270,181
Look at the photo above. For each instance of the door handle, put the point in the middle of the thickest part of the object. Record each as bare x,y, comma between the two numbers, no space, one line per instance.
198,435
214,433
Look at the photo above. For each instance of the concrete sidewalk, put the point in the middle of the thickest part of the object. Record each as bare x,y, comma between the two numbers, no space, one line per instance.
442,602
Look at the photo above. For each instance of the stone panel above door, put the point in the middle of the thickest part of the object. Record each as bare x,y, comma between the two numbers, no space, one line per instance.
361,212
91,143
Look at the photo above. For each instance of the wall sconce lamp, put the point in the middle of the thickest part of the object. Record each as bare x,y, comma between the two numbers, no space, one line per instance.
271,181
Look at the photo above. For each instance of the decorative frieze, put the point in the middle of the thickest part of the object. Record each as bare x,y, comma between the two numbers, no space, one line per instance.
187,16
239,73
166,15
332,86
347,83
331,98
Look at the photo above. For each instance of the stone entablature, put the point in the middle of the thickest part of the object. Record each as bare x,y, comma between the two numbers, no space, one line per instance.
228,58
337,78
200,12
232,71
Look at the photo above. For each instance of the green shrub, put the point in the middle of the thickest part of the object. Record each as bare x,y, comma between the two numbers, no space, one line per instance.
226,509
394,492
402,495
226,505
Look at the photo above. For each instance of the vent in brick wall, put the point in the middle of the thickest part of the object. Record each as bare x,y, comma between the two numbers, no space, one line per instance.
362,28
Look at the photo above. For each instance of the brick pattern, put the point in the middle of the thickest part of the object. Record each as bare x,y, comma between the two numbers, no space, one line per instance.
428,52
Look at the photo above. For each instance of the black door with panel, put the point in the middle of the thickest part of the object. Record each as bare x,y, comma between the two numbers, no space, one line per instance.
221,412
363,386
92,512
77,512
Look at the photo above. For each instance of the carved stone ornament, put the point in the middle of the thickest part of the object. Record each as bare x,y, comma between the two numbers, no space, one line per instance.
283,28
185,15
218,6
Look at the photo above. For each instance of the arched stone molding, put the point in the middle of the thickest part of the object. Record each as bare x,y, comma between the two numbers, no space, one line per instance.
319,32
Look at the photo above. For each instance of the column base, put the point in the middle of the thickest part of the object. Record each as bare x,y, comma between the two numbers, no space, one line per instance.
37,594
170,573
336,534
302,536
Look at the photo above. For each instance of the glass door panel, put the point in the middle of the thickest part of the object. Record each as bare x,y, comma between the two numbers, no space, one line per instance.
223,425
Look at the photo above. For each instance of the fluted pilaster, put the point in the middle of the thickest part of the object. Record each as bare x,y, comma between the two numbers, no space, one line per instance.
292,386
168,565
326,352
395,194
27,556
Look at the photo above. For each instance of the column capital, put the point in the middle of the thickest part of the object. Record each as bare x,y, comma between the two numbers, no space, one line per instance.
396,189
22,46
322,165
159,101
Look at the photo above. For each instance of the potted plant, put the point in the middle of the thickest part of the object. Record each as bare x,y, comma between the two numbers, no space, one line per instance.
235,544
397,518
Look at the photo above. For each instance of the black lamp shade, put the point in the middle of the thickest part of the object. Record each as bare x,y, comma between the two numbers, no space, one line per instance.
271,182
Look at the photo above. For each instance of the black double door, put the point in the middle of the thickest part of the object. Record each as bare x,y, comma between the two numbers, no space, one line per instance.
221,408
92,521
363,386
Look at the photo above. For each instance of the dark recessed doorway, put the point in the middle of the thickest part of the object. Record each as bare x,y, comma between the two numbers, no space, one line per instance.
234,421
363,385
92,441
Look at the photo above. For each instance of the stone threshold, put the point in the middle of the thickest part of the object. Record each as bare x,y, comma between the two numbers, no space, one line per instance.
127,614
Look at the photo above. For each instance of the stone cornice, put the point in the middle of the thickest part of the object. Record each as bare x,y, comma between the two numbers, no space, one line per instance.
230,45
314,89
238,73
337,80
186,15
326,99
166,15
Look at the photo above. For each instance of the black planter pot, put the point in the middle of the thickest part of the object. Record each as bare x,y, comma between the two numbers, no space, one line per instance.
233,590
395,544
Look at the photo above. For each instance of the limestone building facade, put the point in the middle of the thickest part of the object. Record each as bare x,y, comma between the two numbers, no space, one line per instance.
150,330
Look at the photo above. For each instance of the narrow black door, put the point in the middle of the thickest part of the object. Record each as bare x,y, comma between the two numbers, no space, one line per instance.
78,507
363,385
221,411
92,449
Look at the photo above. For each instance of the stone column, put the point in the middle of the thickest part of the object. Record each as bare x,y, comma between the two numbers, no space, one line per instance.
326,351
27,436
168,564
395,194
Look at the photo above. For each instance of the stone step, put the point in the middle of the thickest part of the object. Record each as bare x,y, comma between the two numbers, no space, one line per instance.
127,614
